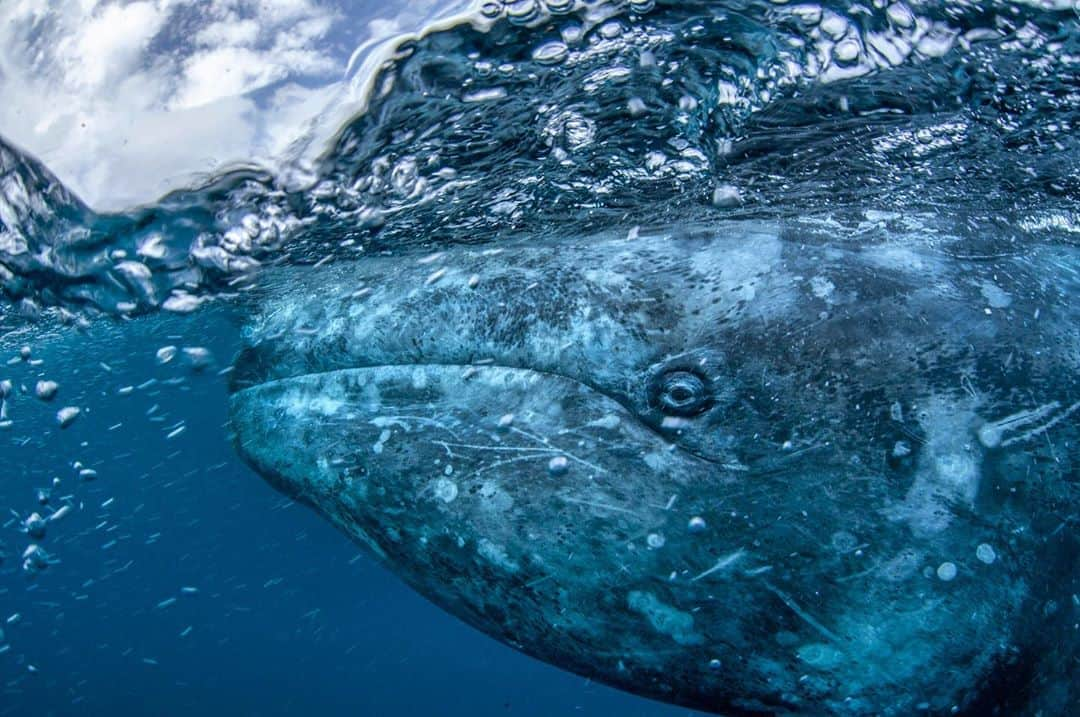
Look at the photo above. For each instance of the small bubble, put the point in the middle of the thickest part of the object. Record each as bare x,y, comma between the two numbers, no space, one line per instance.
834,26
46,390
611,29
946,571
655,540
445,490
846,52
522,12
714,664
696,524
985,553
165,354
571,130
67,415
35,526
35,559
558,466
559,7
900,15
726,196
551,53
197,357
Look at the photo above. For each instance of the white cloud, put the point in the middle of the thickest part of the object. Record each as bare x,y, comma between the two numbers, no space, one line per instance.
111,42
125,100
232,31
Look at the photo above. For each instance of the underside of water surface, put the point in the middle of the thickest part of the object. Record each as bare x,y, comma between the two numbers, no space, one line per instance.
953,120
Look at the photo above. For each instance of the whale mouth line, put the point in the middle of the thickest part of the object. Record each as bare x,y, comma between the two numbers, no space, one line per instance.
467,372
390,365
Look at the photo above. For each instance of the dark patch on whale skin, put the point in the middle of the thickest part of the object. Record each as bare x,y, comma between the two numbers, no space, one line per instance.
813,581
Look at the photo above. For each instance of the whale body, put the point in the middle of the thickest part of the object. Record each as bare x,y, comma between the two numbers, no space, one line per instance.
749,469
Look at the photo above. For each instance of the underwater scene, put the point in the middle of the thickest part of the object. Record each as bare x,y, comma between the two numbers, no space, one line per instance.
543,357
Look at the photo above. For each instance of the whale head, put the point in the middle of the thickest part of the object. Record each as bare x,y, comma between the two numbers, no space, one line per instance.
735,468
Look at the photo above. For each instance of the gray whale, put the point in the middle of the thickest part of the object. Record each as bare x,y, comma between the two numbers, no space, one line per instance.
738,468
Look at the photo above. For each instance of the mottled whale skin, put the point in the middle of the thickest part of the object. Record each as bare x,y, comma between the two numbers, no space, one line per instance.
734,468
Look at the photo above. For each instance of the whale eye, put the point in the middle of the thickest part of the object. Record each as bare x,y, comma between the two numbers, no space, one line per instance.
681,393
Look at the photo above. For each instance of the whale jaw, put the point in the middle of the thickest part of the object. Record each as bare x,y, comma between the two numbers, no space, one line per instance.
545,514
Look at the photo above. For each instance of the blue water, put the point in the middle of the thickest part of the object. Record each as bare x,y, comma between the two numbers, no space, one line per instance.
288,617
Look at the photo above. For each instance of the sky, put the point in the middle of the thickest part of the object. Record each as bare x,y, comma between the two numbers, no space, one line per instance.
125,100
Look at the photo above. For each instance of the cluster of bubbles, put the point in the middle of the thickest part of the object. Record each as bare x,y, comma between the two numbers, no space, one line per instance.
546,116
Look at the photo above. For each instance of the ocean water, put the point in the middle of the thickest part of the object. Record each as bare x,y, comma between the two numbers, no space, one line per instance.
171,578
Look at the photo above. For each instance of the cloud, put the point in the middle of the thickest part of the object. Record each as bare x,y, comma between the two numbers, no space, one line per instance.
109,44
125,100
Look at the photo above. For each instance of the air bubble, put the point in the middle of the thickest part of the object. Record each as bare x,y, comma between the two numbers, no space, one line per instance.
574,131
559,7
446,490
900,15
846,52
834,26
165,354
551,53
558,466
67,415
610,30
35,526
726,196
522,12
46,390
